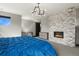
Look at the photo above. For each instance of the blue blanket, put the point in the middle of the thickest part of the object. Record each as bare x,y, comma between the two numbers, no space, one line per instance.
25,46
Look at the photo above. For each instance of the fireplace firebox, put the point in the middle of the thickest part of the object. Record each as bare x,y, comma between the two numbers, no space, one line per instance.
58,34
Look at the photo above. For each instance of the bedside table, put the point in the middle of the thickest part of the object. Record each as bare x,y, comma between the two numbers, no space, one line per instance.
27,33
44,35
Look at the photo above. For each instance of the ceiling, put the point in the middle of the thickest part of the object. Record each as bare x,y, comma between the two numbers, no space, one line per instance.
25,9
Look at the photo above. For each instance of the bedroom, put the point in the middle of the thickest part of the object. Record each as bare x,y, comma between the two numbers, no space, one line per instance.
56,28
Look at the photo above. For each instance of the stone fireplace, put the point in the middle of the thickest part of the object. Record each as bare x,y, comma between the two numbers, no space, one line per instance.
62,28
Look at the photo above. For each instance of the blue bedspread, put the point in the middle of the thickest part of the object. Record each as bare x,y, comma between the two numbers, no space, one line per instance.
25,46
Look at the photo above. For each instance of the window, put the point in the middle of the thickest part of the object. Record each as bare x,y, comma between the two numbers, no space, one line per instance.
5,20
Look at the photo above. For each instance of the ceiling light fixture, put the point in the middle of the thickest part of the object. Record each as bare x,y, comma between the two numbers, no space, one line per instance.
37,10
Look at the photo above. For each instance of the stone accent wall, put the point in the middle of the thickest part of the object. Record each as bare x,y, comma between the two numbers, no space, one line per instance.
65,21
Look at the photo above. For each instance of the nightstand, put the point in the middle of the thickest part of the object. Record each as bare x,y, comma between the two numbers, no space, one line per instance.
44,35
27,33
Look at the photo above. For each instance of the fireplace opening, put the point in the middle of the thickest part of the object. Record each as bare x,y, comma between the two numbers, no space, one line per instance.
58,34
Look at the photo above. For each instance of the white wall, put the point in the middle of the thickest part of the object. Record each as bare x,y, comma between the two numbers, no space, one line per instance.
28,26
44,24
14,29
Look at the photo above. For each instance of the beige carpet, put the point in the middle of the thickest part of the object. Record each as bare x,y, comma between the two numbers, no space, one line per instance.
66,50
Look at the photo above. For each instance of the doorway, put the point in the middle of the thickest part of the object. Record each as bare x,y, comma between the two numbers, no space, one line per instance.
37,28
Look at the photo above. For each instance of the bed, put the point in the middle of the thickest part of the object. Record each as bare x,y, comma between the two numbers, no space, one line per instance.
26,46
